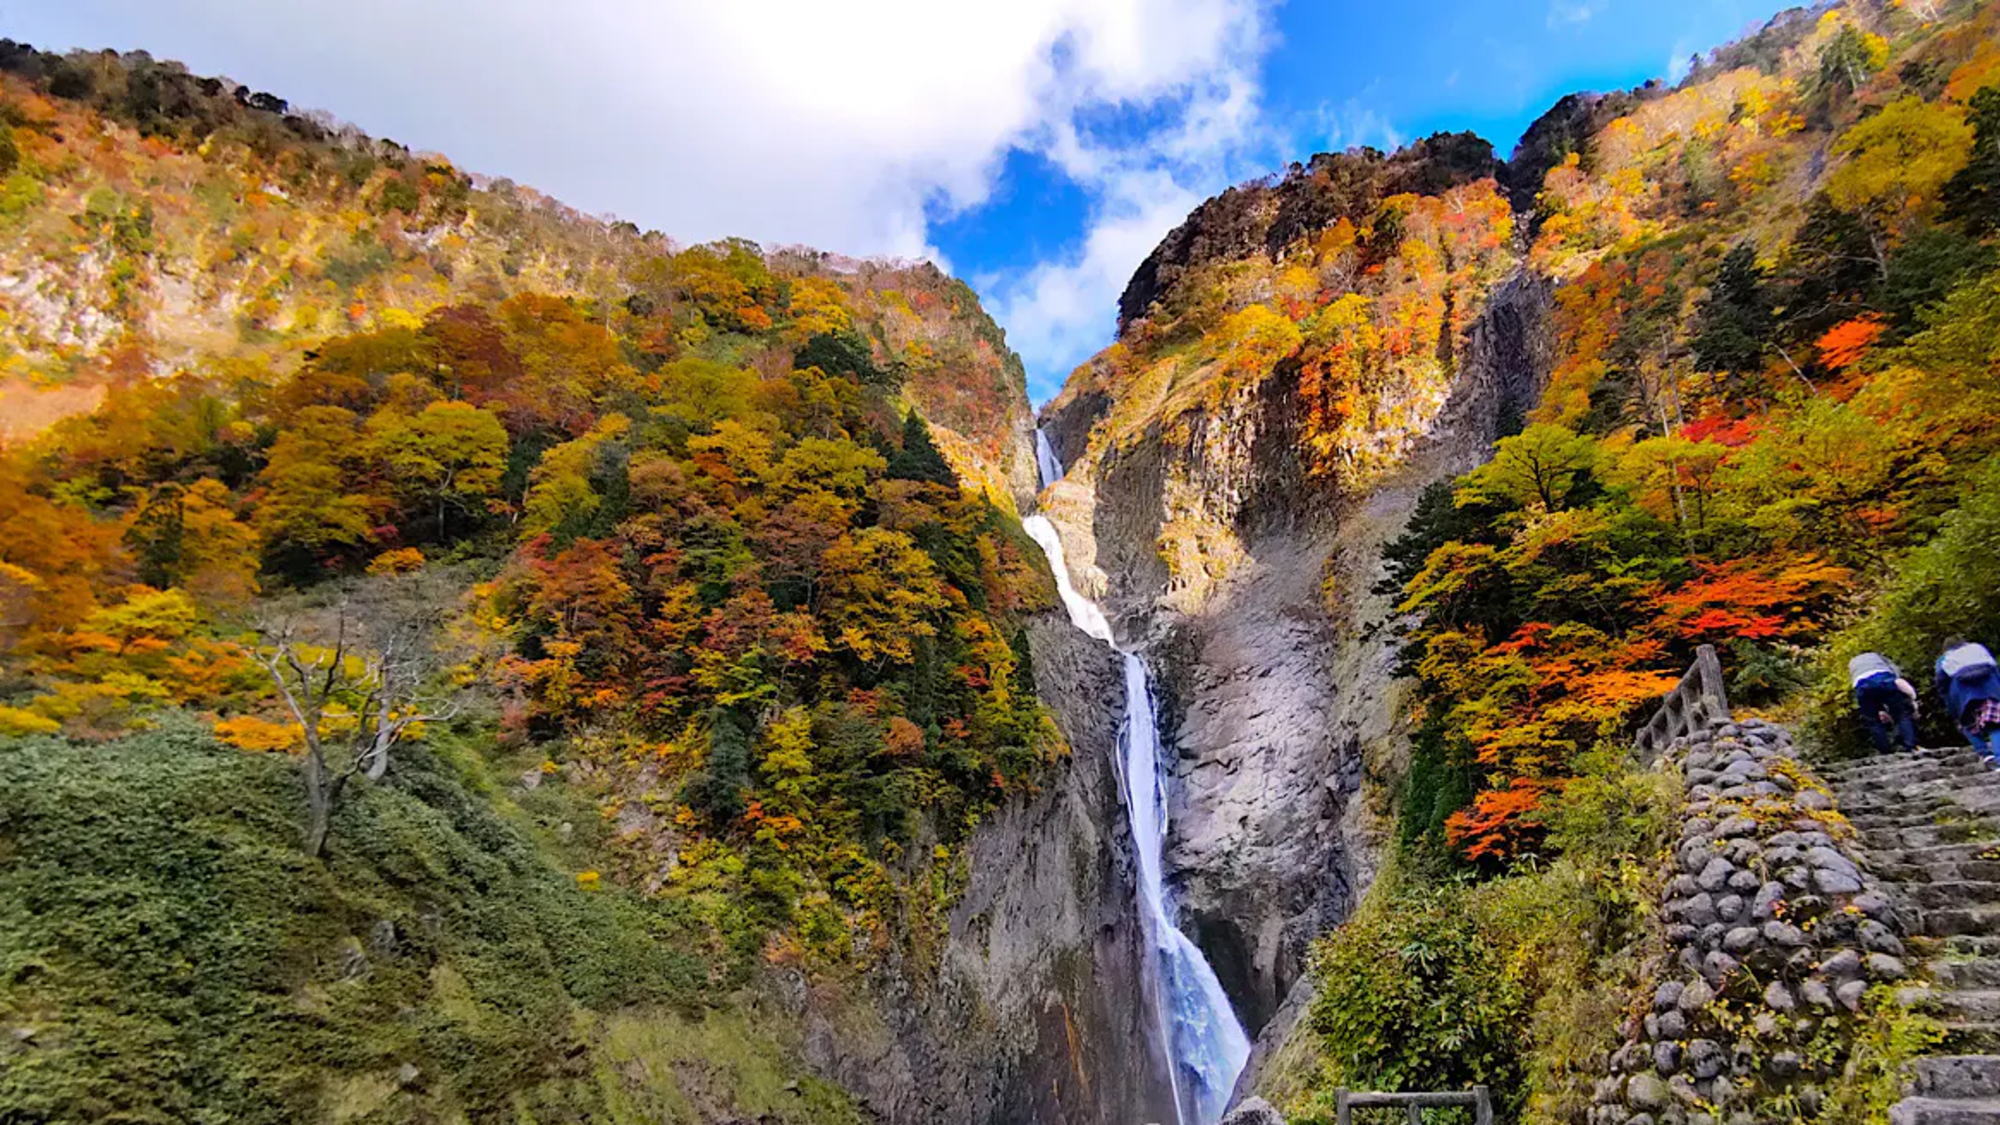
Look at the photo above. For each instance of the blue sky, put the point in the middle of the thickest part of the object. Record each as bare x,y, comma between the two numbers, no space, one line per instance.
1038,148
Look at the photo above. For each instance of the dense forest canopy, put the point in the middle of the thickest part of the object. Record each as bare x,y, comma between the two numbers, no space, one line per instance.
319,447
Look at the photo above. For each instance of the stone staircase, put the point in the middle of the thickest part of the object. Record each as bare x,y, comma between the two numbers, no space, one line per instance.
1931,822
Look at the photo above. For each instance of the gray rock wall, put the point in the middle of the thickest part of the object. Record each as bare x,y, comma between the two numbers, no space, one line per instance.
1274,662
1771,932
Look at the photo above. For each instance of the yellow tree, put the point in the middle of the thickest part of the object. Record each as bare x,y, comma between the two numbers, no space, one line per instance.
1540,466
1255,338
1898,160
560,493
312,506
449,457
880,593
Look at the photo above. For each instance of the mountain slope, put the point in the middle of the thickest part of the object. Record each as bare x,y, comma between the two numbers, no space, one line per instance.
704,562
157,221
1725,345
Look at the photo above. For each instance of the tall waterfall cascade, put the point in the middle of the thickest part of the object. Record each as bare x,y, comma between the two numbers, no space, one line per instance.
1046,464
1207,1044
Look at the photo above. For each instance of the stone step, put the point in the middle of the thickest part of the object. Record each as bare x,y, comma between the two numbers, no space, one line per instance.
1980,973
1945,1111
1931,756
1875,821
1961,760
1958,920
1932,855
1964,798
1917,755
1972,771
1930,779
1923,779
1971,945
1914,811
1942,895
1978,791
1959,818
1924,836
1971,1038
1958,1076
1911,876
1977,794
1924,756
1968,1007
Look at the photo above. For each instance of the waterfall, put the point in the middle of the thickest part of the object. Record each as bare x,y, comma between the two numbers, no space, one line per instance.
1046,464
1207,1045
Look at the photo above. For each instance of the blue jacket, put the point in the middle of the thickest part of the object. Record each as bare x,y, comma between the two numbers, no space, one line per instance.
1967,675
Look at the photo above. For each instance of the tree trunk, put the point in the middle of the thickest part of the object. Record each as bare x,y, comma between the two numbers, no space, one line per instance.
322,792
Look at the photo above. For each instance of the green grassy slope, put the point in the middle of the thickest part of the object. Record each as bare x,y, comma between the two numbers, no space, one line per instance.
168,954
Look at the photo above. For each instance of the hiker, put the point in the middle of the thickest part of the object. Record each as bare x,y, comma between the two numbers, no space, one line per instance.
1887,702
1970,684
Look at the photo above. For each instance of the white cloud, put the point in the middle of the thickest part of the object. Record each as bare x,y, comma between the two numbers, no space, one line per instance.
840,125
1061,310
1680,60
1570,13
1355,122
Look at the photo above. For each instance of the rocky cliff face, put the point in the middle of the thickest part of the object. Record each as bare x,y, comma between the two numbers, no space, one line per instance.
1035,1010
1249,578
1266,217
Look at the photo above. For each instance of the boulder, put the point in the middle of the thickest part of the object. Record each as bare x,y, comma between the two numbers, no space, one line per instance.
1253,1111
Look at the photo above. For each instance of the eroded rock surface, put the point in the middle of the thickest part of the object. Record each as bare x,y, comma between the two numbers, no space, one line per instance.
1249,583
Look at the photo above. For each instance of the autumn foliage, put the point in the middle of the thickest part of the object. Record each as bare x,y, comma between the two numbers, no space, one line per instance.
1755,410
748,570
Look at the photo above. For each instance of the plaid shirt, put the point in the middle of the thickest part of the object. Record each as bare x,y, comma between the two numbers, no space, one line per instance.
1984,716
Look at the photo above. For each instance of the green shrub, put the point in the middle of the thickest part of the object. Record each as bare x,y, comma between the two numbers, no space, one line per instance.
1888,1037
1948,587
1412,996
1572,931
397,195
1564,947
1518,982
1613,819
168,953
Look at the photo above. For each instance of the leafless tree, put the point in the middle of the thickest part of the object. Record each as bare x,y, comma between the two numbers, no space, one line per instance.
376,651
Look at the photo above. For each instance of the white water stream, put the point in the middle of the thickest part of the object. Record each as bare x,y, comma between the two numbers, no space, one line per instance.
1207,1044
1046,464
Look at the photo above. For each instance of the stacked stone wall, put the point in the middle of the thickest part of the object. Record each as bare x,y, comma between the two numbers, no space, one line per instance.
1770,933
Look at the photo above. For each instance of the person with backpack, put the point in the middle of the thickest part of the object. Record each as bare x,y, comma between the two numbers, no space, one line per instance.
1969,681
1886,701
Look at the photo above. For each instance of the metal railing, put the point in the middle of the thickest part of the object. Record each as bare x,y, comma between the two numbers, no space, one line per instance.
1347,1101
1699,701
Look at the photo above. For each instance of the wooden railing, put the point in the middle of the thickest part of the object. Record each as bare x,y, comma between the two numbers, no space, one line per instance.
1347,1101
1699,701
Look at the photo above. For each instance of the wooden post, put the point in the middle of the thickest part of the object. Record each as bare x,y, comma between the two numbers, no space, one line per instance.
1714,690
1698,702
1482,1106
1342,1113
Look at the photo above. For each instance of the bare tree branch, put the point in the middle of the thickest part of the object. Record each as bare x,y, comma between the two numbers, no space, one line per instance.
392,626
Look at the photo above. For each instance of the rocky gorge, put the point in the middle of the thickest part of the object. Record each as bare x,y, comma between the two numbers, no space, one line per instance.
836,737
1277,667
1030,1014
